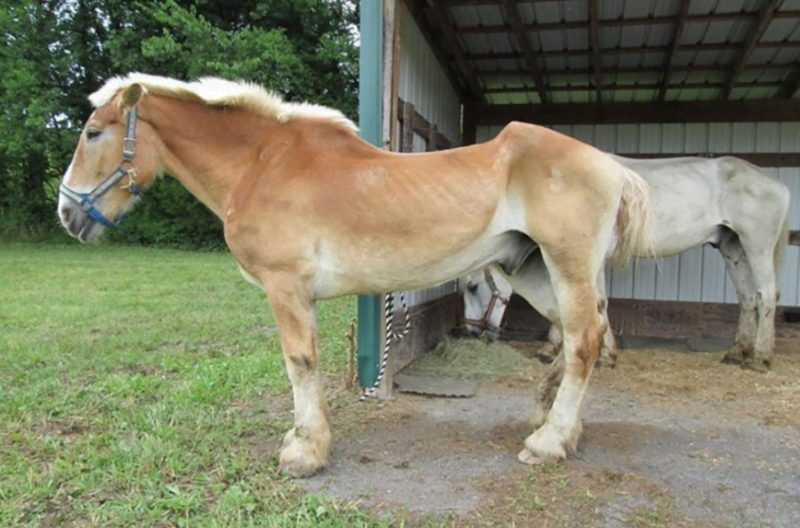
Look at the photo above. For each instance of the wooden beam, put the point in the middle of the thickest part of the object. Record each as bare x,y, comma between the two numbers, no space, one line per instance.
469,134
630,86
668,112
427,32
673,52
524,44
441,19
626,22
594,38
421,126
761,159
632,50
764,18
644,69
790,85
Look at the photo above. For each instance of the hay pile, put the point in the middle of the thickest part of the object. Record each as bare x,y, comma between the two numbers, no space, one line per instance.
469,358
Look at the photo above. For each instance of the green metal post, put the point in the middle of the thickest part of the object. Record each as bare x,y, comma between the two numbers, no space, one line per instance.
370,119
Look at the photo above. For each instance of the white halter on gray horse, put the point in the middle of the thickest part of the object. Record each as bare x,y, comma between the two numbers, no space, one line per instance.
726,202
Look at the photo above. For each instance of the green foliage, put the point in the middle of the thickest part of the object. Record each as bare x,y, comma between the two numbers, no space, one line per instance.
56,52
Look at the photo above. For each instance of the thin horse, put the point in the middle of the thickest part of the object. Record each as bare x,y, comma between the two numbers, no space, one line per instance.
311,211
725,202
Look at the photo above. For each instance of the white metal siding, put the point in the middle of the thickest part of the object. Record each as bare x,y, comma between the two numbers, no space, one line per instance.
423,84
699,274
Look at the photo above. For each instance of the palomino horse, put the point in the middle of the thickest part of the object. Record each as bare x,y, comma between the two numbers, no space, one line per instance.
311,211
725,202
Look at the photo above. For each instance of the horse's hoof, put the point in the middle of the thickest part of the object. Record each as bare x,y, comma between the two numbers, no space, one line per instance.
757,365
526,457
301,455
733,357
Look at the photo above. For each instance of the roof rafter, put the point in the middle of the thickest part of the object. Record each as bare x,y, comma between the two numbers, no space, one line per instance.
525,45
641,69
765,15
673,52
455,47
628,86
594,38
722,46
624,22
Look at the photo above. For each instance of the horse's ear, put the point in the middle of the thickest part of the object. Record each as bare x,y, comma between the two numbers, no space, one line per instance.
131,95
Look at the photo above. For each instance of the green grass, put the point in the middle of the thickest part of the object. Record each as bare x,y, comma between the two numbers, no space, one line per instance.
136,388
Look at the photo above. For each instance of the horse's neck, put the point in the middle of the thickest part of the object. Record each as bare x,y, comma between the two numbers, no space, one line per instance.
208,150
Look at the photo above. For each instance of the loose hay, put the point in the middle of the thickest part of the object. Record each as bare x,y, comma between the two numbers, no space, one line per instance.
472,359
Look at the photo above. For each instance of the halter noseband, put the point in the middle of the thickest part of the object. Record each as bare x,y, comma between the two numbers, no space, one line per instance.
485,322
86,201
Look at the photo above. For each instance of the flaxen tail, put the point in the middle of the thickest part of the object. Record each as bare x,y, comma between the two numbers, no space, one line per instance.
633,221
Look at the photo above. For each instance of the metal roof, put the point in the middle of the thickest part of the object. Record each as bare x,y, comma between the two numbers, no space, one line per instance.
609,51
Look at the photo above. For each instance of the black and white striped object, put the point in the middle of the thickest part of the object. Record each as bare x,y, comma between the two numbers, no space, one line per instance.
391,336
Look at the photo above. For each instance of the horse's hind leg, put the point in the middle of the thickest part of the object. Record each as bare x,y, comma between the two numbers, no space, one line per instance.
762,264
742,277
583,330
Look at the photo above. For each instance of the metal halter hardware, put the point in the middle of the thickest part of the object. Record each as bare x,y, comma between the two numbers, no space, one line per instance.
86,201
485,322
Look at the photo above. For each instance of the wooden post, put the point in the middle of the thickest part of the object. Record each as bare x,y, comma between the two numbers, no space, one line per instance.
407,143
432,133
469,134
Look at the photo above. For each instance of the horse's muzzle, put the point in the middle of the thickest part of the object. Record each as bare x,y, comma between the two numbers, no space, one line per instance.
79,224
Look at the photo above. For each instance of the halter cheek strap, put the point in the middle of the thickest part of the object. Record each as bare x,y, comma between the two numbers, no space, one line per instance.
87,200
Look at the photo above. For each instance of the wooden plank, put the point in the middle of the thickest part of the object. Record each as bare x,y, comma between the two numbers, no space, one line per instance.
764,18
421,126
634,86
632,50
429,322
470,128
639,70
407,142
673,53
644,318
396,47
668,112
442,20
525,45
389,55
432,133
628,22
762,159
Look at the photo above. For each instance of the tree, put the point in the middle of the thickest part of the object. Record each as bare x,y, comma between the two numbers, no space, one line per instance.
57,52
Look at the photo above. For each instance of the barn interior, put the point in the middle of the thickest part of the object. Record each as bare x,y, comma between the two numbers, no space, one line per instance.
639,78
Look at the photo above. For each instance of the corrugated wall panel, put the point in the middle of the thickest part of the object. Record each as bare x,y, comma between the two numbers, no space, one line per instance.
423,83
698,274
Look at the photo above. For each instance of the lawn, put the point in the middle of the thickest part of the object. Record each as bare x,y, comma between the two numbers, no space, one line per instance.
133,382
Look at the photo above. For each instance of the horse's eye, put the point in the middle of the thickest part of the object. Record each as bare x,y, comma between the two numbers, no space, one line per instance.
472,287
92,134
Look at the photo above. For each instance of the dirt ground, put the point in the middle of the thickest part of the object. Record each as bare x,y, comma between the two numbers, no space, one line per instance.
670,439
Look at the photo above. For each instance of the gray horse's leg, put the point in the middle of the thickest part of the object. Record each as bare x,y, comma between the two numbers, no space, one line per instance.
742,278
547,389
762,264
608,351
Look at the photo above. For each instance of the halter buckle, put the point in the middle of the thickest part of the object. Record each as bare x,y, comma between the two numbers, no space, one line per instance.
128,148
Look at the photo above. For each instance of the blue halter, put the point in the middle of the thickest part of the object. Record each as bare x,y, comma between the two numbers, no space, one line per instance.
86,201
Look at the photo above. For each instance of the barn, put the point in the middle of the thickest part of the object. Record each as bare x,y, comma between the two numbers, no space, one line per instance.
639,78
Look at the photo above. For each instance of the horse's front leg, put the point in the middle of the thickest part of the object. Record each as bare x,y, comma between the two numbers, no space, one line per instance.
307,445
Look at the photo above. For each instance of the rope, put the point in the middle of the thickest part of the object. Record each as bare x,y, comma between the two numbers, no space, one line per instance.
391,335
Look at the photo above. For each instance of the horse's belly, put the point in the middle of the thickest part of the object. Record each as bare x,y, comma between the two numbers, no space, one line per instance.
382,269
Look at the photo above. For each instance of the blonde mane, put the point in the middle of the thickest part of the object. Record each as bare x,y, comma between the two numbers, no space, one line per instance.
214,91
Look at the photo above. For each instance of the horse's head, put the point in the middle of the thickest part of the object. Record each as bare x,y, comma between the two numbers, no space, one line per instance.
115,159
485,302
